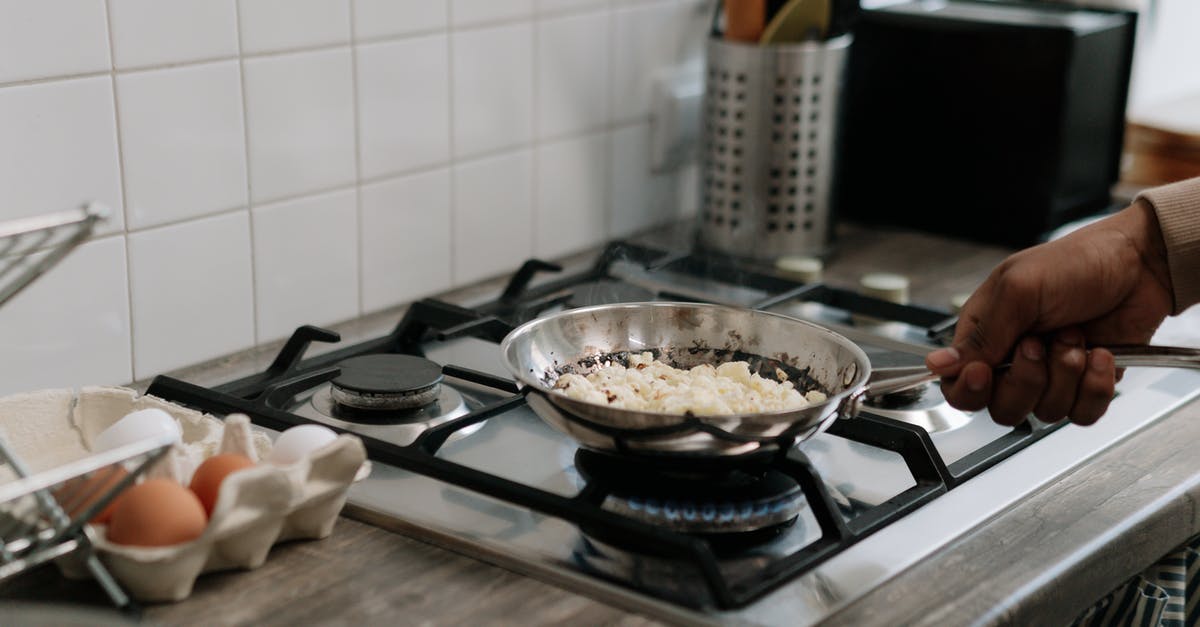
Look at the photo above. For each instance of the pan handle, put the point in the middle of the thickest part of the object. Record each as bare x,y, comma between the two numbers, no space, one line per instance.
1125,356
884,381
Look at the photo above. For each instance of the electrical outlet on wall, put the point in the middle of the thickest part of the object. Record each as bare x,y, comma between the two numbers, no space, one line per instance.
677,96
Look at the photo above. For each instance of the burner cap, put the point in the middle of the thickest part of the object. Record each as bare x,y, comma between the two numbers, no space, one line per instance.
923,406
387,382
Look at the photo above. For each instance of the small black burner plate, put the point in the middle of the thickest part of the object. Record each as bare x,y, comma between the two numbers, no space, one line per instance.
387,374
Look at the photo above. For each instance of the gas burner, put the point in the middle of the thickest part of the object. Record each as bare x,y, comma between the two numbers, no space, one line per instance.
386,383
924,407
752,502
449,404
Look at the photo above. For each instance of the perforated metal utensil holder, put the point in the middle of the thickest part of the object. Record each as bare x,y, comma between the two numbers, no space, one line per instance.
770,127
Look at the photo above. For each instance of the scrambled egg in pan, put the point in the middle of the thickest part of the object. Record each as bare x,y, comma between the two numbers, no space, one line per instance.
650,385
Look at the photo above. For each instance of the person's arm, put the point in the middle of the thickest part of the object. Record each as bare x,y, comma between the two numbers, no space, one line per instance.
1178,210
1112,282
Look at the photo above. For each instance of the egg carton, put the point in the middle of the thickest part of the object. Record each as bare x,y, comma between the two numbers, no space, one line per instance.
256,507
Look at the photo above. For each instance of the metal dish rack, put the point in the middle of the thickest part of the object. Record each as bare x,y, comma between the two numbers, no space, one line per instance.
43,515
54,235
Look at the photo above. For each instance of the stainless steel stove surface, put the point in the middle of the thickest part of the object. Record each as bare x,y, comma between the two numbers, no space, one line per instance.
787,541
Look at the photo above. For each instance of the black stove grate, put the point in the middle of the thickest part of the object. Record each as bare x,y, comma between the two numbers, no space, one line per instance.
263,396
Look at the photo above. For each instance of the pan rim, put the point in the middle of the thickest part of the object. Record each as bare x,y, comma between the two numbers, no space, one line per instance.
778,416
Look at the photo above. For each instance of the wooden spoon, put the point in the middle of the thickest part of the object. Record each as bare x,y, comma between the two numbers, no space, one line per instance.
745,19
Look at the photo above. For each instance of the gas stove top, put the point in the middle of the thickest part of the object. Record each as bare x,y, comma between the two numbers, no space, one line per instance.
460,458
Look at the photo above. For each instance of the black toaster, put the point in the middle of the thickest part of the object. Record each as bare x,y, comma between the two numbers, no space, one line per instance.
993,121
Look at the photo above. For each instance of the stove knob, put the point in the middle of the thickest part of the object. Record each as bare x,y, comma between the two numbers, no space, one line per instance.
803,269
885,286
957,301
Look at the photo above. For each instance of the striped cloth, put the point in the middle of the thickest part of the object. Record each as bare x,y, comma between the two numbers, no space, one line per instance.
1165,595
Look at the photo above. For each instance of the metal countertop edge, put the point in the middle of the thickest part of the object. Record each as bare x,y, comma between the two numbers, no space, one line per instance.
1051,556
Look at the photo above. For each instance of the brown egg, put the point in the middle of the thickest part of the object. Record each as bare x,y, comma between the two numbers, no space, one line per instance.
158,512
78,494
206,483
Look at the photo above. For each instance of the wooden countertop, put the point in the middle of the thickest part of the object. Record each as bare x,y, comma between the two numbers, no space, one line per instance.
361,575
364,575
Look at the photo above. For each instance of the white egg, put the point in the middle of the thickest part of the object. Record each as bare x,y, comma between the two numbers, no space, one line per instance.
137,426
294,444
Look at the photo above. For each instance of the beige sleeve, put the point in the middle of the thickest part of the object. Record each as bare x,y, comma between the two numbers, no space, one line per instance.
1178,208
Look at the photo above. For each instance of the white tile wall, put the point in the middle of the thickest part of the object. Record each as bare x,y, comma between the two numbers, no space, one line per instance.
191,292
638,198
183,142
389,18
570,197
280,162
299,123
560,6
305,262
403,105
52,38
58,148
492,215
644,41
406,239
572,74
474,12
493,88
273,25
153,32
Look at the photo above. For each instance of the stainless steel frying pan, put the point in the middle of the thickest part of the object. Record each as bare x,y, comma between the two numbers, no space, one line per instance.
688,334
685,335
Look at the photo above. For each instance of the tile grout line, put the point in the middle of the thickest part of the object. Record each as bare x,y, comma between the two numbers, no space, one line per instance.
61,77
171,65
453,163
358,210
237,22
112,78
405,173
610,172
414,34
190,219
535,201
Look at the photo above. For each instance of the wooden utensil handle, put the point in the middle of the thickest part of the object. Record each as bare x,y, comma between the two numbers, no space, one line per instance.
745,19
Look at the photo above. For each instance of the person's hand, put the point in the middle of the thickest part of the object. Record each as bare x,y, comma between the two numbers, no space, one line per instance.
1106,283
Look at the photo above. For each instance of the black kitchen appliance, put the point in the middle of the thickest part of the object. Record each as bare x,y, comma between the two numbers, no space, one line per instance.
987,120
